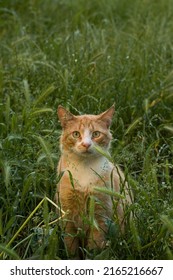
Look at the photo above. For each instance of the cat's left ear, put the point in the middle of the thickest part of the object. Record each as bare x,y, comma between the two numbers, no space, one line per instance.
64,115
108,115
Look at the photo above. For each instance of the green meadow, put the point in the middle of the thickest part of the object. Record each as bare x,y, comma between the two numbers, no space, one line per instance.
85,55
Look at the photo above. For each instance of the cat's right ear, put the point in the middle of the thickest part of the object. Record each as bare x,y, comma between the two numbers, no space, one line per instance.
64,115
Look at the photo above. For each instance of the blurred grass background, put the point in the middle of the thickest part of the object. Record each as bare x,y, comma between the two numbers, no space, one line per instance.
85,55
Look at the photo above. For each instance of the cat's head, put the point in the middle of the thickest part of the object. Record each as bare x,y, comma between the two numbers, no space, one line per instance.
82,133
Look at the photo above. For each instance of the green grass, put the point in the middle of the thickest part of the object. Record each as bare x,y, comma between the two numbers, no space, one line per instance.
85,55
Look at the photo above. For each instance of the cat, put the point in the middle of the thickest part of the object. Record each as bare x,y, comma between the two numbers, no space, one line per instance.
87,179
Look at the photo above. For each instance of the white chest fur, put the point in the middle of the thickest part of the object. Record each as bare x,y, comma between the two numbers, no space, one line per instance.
88,171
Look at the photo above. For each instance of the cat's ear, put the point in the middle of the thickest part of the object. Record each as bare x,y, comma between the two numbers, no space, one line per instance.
64,115
108,115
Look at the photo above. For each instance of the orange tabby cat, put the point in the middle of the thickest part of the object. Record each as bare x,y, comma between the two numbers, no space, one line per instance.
84,169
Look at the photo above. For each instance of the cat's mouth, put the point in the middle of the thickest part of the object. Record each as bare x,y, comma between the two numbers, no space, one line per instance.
89,152
85,152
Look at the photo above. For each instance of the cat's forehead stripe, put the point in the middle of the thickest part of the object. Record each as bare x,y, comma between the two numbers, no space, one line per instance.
86,123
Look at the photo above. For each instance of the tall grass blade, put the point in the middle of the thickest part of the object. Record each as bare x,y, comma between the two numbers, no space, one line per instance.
46,150
7,173
7,113
168,128
91,209
46,213
44,95
92,221
40,111
10,223
167,222
169,253
27,92
133,126
9,252
135,235
23,225
103,152
109,192
1,224
167,172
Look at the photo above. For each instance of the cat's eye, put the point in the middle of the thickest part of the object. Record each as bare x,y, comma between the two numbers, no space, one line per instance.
76,134
95,134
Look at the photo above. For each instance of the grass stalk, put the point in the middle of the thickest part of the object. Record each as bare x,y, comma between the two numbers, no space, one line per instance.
28,219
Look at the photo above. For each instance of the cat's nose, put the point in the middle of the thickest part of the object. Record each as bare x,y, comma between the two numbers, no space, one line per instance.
86,144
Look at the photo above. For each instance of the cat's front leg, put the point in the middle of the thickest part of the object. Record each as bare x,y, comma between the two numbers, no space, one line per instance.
97,237
71,240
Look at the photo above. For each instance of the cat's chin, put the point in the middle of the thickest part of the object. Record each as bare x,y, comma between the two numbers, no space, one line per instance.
85,154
